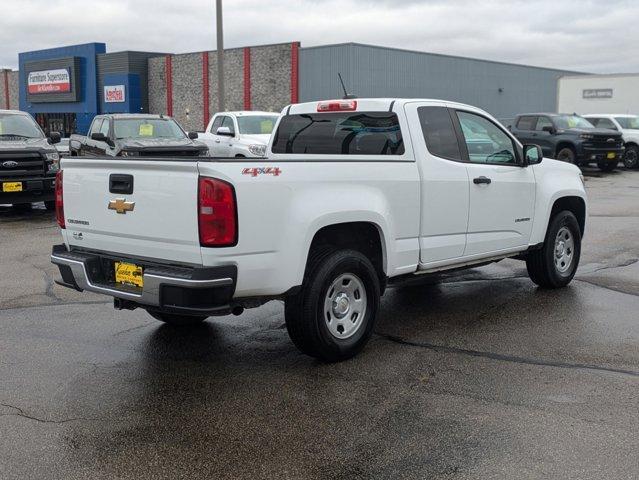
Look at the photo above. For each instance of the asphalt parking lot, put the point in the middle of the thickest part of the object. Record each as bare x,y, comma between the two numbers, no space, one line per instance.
480,376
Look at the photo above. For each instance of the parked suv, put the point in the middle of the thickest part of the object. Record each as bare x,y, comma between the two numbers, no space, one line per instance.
570,138
628,125
28,161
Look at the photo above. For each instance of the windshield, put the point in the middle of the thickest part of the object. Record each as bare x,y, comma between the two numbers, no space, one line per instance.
256,124
18,127
147,128
572,121
628,123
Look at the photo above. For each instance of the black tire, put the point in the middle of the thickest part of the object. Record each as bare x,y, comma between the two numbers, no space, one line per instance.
49,205
541,265
177,320
607,165
566,154
631,157
305,314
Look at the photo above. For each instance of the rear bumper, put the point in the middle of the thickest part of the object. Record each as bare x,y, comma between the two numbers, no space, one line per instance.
39,189
183,290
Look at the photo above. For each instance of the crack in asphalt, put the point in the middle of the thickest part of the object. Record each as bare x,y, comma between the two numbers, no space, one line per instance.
504,357
22,414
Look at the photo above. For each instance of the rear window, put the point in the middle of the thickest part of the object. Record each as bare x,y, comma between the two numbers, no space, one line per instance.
340,133
439,133
526,123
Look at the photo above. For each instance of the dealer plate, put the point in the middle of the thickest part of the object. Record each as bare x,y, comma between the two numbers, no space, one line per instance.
12,187
129,274
611,155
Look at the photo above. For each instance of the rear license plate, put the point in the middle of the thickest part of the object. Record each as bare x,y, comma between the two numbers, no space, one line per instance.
12,187
129,274
611,155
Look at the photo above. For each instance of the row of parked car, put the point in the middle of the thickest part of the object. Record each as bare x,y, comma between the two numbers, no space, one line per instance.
604,140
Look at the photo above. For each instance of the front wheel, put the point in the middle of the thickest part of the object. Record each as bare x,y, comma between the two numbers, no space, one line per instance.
567,155
177,320
555,264
333,317
631,157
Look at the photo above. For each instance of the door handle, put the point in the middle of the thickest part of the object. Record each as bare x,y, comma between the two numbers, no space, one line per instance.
482,179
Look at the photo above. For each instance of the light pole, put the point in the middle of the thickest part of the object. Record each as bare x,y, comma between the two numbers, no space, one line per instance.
220,56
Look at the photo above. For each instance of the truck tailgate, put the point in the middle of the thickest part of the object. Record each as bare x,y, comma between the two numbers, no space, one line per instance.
158,220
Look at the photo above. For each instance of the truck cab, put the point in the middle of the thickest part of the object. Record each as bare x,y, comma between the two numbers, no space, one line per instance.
570,138
130,135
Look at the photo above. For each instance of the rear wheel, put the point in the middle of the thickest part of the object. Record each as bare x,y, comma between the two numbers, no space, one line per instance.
177,320
555,264
631,157
566,154
333,317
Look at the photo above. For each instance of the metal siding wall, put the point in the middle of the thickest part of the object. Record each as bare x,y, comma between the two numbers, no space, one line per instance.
381,72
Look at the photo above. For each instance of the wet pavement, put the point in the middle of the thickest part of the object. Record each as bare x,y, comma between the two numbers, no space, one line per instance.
480,376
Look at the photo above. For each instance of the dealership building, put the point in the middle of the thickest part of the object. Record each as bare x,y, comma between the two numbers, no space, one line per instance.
65,87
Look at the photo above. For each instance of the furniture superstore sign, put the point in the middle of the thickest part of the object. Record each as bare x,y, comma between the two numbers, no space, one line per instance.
49,81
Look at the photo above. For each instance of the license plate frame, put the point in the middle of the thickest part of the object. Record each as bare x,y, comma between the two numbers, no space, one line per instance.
127,273
10,187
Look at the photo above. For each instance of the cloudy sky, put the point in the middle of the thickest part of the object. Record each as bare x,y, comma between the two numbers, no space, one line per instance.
593,36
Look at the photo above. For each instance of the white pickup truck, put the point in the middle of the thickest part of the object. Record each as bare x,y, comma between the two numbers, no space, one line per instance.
628,125
239,134
354,195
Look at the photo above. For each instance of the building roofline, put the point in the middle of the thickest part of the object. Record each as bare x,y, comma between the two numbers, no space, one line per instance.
226,49
597,75
459,57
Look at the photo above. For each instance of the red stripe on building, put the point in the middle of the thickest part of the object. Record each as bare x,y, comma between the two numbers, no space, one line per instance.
247,78
168,73
205,88
294,72
6,90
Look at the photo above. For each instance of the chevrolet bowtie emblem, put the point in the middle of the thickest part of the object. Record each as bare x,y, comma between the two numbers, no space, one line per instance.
120,205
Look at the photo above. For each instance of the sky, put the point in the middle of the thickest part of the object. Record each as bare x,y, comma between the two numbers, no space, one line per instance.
589,36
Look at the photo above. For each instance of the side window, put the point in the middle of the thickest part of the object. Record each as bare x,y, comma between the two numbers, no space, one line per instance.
526,123
486,142
543,122
217,123
105,127
602,123
439,133
95,126
228,122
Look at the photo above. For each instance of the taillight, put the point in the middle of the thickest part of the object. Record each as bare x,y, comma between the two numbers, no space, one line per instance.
217,213
59,200
337,106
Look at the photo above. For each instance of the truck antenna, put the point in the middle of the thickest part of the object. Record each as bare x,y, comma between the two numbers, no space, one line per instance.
346,94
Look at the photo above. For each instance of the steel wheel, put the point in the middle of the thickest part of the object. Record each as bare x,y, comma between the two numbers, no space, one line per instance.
564,250
631,157
345,306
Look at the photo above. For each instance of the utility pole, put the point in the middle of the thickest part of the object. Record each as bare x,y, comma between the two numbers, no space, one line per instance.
220,57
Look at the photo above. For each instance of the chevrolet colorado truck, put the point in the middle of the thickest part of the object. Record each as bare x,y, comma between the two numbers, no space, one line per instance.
570,138
136,135
628,125
239,134
354,195
28,161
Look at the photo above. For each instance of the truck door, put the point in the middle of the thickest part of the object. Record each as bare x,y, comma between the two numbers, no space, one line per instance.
502,191
524,129
223,142
101,147
544,138
444,183
89,146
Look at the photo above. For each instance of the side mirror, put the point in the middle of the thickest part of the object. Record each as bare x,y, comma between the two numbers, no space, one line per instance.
193,135
549,129
99,137
532,155
54,137
224,132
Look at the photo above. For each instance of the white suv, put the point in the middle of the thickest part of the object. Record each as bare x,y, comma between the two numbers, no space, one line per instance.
628,125
239,134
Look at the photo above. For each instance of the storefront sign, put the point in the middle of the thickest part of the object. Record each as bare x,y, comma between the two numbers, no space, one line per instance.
597,93
49,81
114,94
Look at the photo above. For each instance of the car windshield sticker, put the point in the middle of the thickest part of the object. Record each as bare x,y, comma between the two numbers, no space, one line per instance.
266,126
146,130
572,122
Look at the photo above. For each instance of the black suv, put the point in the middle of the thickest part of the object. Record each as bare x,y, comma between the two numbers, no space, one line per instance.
570,138
28,161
